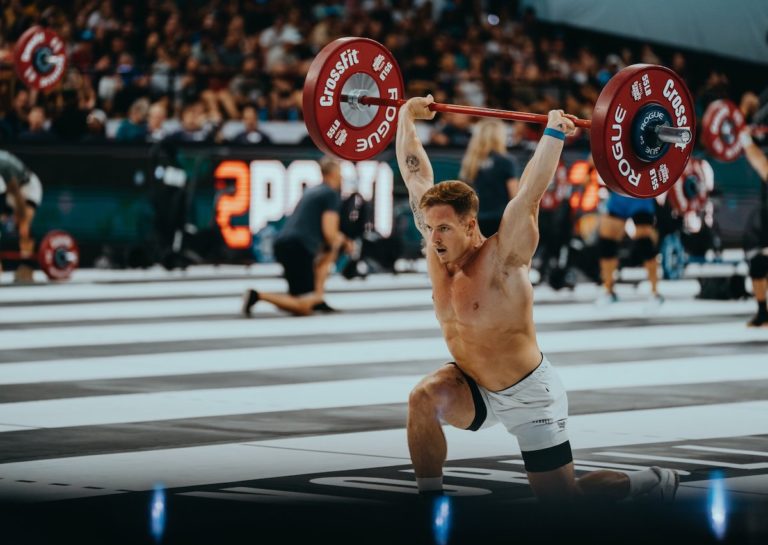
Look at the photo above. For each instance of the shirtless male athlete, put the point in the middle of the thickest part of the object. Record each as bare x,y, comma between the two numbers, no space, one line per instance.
484,303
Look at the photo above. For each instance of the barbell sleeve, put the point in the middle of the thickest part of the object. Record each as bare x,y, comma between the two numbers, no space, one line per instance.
673,135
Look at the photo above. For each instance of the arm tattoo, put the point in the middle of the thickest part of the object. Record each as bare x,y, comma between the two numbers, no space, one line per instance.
418,216
412,162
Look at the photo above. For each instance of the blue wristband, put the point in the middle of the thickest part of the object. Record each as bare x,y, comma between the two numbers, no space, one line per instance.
554,133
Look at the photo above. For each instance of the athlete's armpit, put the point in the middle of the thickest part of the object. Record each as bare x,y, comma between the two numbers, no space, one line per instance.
418,216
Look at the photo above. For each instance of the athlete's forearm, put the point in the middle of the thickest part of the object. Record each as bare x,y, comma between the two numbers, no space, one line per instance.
411,157
540,169
414,165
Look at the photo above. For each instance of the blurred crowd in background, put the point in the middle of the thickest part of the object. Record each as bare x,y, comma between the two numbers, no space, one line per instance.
211,70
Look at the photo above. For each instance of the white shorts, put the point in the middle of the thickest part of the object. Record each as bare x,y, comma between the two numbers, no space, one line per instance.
535,410
32,191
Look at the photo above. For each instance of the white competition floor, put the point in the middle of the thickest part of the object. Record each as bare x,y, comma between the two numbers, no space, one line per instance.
119,380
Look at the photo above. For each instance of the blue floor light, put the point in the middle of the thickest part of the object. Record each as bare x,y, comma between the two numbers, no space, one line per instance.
717,505
442,520
157,513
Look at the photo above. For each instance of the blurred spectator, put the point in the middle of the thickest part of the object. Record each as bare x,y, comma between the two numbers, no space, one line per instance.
251,133
228,54
134,127
279,39
103,17
250,84
156,122
37,127
16,118
452,130
494,174
194,125
70,123
285,100
648,56
96,124
613,64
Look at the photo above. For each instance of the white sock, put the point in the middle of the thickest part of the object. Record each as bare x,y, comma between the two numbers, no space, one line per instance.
641,482
430,484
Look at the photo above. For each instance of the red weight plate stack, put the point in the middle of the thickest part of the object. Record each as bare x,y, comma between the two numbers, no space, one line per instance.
611,136
352,65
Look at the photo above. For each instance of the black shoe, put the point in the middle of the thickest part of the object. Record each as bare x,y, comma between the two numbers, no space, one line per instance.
250,297
322,306
758,320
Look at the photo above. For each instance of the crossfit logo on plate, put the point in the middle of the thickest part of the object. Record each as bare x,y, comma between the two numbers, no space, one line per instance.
674,98
348,58
625,169
384,127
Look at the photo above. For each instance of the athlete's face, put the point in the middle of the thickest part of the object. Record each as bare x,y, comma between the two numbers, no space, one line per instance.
449,236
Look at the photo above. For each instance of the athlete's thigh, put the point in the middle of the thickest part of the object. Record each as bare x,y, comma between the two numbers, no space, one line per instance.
611,227
645,231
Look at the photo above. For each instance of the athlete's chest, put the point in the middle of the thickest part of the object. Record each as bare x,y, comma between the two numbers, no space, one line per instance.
469,296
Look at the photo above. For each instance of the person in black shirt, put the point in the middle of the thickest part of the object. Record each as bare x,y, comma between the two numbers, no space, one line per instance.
758,255
251,134
306,246
493,174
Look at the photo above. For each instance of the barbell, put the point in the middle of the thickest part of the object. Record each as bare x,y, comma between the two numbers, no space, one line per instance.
57,256
642,127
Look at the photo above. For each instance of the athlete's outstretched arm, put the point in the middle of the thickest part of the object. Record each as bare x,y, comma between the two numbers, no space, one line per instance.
518,232
414,164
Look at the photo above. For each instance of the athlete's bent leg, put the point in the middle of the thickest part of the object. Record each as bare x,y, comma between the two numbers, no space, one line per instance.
443,396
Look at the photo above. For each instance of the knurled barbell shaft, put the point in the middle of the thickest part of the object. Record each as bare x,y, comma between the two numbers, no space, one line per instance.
469,110
672,135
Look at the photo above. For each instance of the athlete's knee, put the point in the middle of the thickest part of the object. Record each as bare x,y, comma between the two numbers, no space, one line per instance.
644,249
607,248
436,391
758,266
423,395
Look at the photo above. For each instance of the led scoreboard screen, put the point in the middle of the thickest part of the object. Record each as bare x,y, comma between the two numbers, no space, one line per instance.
261,191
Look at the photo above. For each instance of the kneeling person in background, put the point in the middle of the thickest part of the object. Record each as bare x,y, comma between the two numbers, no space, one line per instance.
307,246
